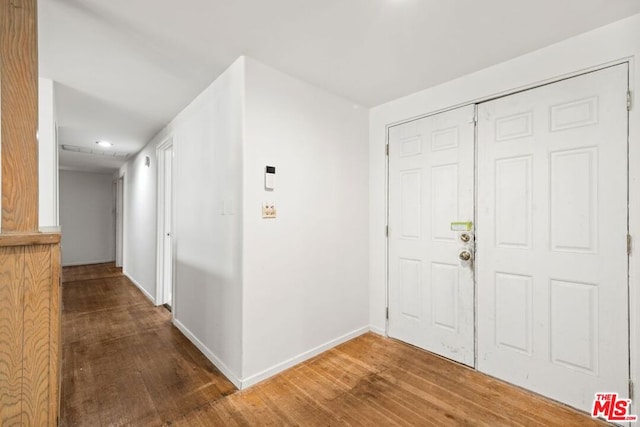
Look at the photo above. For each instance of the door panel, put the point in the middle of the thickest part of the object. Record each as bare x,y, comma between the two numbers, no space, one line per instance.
551,238
431,293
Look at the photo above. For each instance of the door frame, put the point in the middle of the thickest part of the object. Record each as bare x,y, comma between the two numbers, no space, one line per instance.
633,207
119,227
161,153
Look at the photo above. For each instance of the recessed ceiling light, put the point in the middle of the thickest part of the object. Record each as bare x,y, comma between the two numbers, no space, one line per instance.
104,144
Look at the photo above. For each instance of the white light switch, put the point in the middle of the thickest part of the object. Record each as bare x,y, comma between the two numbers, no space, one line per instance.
268,210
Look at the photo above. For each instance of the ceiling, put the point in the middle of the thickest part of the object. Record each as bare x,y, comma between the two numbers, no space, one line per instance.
125,68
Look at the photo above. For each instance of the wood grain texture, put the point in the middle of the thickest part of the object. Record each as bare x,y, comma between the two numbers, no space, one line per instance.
19,106
25,239
11,335
26,266
91,271
28,341
55,355
125,363
37,303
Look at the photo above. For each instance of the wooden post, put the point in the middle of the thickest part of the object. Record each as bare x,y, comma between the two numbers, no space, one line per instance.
29,259
19,107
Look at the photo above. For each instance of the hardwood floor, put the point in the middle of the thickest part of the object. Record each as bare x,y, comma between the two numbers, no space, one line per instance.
125,364
123,361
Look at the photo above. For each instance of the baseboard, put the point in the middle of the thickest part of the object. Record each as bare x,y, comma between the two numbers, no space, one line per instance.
378,331
209,354
74,264
269,372
139,286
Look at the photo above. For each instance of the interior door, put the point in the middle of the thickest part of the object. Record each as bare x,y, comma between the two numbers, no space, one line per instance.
431,185
119,220
552,238
168,220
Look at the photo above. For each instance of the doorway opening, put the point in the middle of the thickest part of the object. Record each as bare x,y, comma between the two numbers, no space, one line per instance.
166,241
119,187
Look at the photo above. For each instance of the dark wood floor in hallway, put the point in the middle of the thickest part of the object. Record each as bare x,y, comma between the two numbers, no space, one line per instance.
124,363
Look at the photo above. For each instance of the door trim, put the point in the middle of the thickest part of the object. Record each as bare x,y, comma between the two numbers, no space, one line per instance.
160,245
119,209
512,91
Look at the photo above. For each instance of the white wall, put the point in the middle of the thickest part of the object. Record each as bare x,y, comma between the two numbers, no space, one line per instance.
86,217
258,295
139,221
208,176
207,138
305,273
612,43
47,155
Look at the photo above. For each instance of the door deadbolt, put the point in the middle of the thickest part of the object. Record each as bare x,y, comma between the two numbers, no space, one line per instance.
465,237
465,255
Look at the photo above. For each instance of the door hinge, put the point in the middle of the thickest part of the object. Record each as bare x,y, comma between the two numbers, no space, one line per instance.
386,149
387,231
629,103
629,244
387,314
631,393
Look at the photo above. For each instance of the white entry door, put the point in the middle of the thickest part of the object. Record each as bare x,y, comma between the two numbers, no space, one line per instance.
552,238
431,177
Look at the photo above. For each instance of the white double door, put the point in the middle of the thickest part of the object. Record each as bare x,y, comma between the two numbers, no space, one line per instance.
543,303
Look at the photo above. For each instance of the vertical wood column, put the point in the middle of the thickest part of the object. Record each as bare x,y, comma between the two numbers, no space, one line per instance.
11,335
19,107
35,358
29,259
29,329
55,334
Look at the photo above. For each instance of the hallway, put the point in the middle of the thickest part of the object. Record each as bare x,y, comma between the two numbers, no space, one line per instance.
125,364
123,361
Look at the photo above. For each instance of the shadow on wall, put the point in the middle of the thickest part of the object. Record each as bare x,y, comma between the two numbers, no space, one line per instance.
209,308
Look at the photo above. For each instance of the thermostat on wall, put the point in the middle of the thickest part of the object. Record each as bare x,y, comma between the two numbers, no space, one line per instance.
270,177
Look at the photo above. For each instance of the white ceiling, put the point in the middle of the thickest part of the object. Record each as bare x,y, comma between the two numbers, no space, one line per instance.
124,68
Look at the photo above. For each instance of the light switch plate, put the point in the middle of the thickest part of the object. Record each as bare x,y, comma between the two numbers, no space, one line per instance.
268,210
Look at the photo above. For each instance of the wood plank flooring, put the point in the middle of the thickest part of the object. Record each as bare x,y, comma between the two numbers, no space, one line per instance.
125,364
